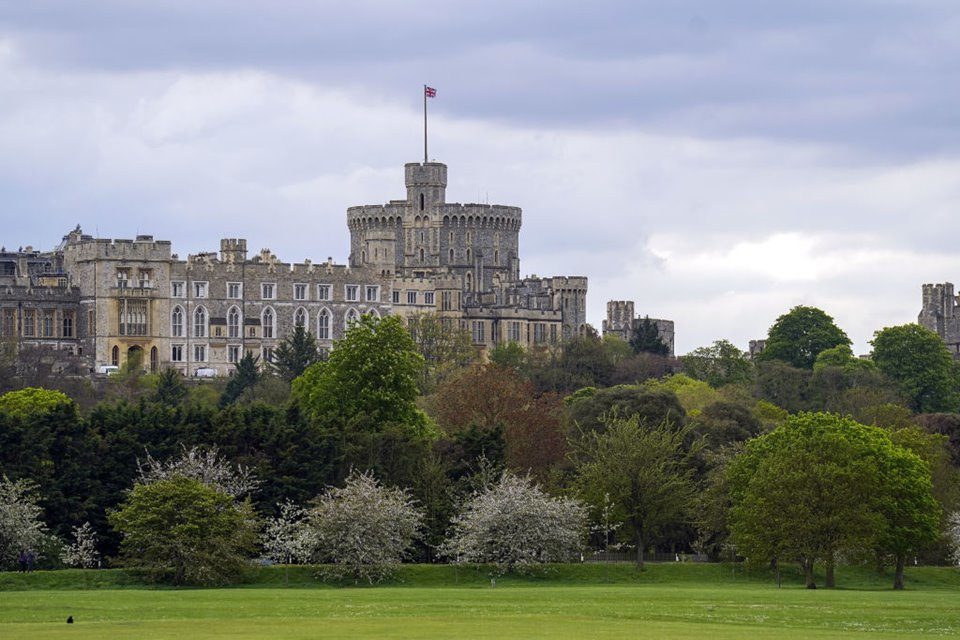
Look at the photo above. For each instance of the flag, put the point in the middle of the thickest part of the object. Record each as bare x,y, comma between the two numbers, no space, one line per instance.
430,92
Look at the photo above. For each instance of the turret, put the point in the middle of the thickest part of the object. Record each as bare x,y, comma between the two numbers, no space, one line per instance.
426,185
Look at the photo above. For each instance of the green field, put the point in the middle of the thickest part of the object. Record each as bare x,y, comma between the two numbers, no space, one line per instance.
667,601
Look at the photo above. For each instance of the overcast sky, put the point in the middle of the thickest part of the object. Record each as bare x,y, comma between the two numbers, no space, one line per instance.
718,162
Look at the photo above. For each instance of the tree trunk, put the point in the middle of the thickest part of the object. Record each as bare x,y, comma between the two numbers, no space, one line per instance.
807,565
640,552
898,574
830,579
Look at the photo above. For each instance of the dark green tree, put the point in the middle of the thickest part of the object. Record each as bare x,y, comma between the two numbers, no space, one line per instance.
918,360
170,388
591,409
798,337
245,375
294,354
445,346
645,338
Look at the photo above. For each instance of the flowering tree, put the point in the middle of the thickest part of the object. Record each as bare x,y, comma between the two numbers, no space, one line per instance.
286,538
514,525
21,527
83,552
202,465
954,533
363,529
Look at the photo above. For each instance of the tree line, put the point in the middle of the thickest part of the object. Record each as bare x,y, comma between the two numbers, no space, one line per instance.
710,453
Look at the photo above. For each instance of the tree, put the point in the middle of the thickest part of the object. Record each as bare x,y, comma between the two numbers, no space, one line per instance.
21,525
203,465
369,379
719,364
644,470
918,360
645,338
798,337
170,388
841,356
445,346
954,533
181,531
295,353
82,552
285,538
586,361
590,409
363,528
820,485
245,375
514,525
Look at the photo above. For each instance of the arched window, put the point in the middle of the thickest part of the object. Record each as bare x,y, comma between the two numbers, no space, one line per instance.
323,325
496,256
372,312
153,360
469,256
176,322
421,202
233,322
267,322
363,256
200,322
469,281
115,356
421,256
300,318
352,316
451,256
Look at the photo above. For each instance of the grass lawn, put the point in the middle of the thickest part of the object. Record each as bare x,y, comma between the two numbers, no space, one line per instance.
705,601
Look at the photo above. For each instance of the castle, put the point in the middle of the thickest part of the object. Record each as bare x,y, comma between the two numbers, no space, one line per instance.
109,300
941,313
621,321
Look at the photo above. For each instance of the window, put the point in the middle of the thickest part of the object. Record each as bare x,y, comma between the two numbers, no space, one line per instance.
496,256
122,276
421,256
9,327
29,323
553,333
478,331
66,325
300,318
199,289
539,333
200,323
352,293
451,256
267,290
234,290
469,256
49,322
323,325
469,281
266,321
411,297
133,317
396,297
199,353
428,298
515,332
446,300
233,353
176,322
352,316
145,278
268,354
323,292
299,292
176,289
176,353
373,294
233,322
115,356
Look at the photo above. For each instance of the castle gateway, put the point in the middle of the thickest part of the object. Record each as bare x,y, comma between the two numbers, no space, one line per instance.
109,300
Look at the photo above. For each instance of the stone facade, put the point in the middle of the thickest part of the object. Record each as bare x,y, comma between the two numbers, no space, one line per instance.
941,313
112,299
621,320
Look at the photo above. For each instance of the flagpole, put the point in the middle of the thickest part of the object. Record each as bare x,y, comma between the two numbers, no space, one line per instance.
424,124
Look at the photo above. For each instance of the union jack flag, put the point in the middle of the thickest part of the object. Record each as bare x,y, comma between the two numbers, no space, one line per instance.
430,92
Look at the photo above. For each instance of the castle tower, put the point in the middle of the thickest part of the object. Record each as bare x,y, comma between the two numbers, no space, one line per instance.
426,185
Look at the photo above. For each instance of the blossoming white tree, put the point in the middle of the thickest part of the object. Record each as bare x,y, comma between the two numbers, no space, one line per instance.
83,552
363,529
287,539
514,525
954,532
21,526
203,465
